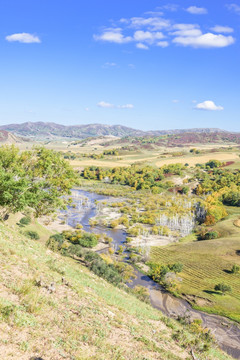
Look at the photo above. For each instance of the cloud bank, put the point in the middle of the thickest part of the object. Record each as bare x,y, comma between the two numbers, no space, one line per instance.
153,29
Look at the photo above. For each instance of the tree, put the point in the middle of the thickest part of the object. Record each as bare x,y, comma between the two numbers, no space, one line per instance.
223,288
37,179
235,269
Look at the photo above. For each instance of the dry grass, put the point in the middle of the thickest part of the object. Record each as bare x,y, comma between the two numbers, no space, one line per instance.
200,159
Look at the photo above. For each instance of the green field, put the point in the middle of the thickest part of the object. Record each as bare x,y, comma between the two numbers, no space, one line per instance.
207,263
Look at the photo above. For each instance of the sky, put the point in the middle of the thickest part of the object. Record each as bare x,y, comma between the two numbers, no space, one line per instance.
146,64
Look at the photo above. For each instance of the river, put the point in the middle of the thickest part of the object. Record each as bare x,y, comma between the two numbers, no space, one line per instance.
226,333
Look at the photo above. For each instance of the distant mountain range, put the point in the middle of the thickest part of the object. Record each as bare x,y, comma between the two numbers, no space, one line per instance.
49,131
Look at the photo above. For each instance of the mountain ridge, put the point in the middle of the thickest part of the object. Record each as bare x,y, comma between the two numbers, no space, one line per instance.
54,130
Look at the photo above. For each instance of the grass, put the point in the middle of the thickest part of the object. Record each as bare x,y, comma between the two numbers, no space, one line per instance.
152,158
86,319
207,263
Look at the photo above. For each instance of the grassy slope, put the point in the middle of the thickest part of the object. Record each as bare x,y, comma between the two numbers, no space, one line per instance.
85,319
204,265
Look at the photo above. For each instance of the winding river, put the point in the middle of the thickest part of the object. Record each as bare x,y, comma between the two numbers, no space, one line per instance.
225,332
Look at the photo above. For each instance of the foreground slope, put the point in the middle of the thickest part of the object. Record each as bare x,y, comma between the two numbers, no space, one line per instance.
53,308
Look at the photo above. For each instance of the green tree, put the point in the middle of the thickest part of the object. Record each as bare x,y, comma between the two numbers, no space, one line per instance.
235,269
37,179
223,288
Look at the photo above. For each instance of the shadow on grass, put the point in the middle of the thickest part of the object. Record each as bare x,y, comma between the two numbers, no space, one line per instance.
227,271
212,292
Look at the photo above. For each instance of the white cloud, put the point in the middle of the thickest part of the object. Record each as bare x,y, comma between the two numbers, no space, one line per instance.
234,7
142,46
147,36
23,38
170,7
222,29
162,44
153,23
147,31
113,35
208,105
154,13
106,105
175,101
196,10
127,106
208,40
109,65
188,32
185,26
86,109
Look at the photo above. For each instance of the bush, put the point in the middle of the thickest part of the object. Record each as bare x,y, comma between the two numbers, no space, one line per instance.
26,220
211,235
88,240
185,190
100,268
235,269
208,235
76,250
32,235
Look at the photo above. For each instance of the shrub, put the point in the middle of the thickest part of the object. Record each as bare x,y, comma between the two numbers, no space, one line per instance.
26,220
55,242
208,235
211,235
185,190
100,268
76,250
32,235
176,267
88,240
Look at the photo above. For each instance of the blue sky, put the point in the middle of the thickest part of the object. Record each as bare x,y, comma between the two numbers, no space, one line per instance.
147,64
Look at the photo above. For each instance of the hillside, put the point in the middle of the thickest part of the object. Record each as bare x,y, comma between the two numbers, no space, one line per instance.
8,138
53,308
44,130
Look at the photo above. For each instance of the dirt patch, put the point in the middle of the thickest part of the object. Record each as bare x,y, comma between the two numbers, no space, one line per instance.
237,223
153,240
197,300
54,225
